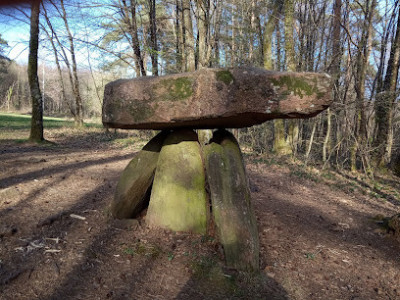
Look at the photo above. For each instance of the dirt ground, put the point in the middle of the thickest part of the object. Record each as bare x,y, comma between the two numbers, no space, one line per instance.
318,239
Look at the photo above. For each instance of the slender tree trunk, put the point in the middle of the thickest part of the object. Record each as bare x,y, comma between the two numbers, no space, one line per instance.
270,25
281,145
253,17
289,40
75,87
217,28
203,12
36,133
311,141
64,54
178,34
135,38
326,146
360,130
384,104
287,146
182,34
260,36
188,37
335,72
56,59
153,37
233,45
278,45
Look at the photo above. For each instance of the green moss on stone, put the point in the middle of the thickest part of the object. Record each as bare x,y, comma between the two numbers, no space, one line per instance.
141,110
231,205
298,86
136,179
225,76
176,89
178,199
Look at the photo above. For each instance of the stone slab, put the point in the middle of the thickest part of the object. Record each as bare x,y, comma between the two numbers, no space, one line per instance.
231,203
136,180
214,98
178,199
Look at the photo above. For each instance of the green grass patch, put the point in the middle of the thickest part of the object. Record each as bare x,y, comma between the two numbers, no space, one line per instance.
13,121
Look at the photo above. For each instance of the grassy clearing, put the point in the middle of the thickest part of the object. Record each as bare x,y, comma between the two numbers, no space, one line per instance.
16,127
23,122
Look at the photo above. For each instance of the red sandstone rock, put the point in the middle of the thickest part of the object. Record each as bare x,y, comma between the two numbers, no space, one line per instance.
213,98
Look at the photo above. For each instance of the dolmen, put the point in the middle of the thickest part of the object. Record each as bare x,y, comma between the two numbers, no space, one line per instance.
193,182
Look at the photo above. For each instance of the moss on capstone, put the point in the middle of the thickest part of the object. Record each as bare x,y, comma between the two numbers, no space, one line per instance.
225,76
140,111
299,86
178,199
175,89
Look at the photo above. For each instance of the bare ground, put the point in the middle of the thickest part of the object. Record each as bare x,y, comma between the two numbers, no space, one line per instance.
318,239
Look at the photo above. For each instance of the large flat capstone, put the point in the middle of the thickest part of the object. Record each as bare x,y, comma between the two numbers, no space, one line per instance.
214,98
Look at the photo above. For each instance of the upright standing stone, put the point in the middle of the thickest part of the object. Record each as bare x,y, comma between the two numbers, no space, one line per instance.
136,179
178,198
230,199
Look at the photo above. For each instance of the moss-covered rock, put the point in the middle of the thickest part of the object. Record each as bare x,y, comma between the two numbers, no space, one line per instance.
231,203
214,98
225,76
136,180
204,136
178,198
175,89
298,86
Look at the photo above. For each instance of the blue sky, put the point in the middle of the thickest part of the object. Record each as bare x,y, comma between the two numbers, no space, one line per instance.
17,36
16,33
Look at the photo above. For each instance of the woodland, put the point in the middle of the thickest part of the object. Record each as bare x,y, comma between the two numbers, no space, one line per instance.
325,190
357,43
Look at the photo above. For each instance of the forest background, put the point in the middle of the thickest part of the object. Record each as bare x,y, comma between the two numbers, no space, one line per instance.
85,45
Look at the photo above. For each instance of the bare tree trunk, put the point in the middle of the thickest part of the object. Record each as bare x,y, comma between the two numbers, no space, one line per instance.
188,36
182,38
57,61
178,35
260,61
36,133
278,45
64,54
289,41
335,71
75,87
217,29
135,38
364,47
267,40
233,45
153,37
311,141
384,103
253,17
326,146
203,13
289,145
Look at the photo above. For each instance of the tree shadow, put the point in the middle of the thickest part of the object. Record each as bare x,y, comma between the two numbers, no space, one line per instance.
314,224
17,179
381,193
